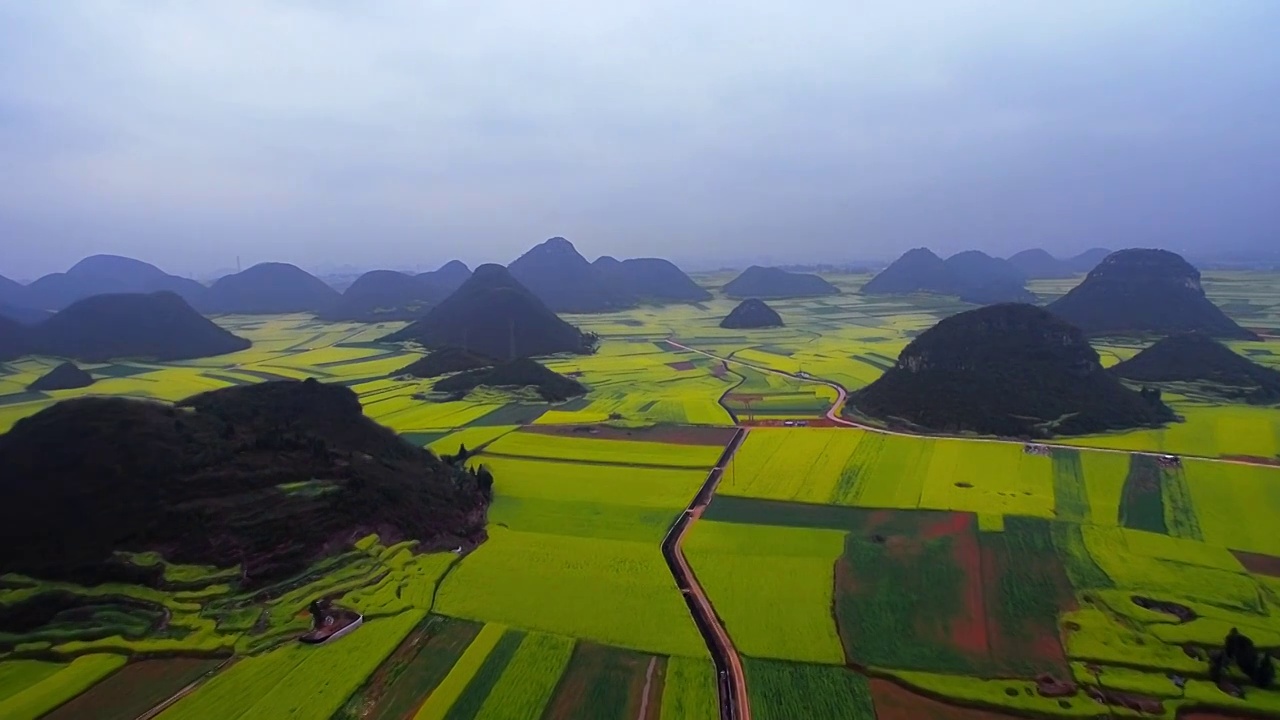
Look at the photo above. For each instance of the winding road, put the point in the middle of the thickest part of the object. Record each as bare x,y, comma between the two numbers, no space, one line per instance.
731,681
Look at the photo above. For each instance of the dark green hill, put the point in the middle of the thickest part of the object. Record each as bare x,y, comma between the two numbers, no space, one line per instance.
751,313
973,276
774,283
494,315
444,361
1012,370
385,295
565,281
209,482
918,270
270,289
552,386
67,376
1196,357
1136,292
105,274
24,315
157,326
651,280
1038,264
449,277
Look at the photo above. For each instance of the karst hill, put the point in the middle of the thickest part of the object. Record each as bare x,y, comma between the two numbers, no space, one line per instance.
772,283
564,280
67,376
1196,357
448,277
1140,292
495,315
216,481
104,274
751,314
384,296
154,326
1012,370
520,373
651,280
1038,264
972,276
270,289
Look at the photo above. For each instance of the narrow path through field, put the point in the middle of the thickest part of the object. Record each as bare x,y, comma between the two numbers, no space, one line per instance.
648,682
842,395
731,682
155,711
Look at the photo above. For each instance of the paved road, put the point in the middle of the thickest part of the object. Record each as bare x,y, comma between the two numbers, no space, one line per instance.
833,414
731,681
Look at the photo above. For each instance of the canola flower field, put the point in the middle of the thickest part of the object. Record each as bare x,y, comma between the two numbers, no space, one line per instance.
859,574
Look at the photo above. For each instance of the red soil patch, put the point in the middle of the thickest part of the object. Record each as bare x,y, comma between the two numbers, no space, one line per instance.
1260,564
134,689
897,703
682,366
603,682
720,370
1029,642
669,434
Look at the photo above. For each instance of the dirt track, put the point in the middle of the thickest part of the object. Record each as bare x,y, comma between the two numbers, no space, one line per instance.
730,680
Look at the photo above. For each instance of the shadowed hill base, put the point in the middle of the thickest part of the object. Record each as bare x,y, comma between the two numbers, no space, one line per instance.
752,313
494,315
1195,357
444,361
775,283
67,376
207,482
524,372
15,339
158,326
1144,291
1013,370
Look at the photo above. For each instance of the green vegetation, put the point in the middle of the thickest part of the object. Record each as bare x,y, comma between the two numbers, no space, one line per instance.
784,691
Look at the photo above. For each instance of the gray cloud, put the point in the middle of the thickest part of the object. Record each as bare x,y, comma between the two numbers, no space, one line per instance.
401,133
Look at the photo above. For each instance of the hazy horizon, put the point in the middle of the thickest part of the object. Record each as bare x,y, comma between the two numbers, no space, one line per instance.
404,136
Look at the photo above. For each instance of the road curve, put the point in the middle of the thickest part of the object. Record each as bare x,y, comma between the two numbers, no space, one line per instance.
833,414
731,681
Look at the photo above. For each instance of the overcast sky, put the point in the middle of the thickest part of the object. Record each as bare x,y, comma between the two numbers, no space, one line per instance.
402,134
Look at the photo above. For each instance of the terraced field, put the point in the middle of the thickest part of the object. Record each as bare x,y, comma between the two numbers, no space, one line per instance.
858,574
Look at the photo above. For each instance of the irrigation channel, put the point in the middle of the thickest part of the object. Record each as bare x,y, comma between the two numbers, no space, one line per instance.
731,682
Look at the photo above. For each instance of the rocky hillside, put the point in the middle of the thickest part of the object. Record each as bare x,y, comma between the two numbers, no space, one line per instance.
270,477
1138,292
1012,370
1196,357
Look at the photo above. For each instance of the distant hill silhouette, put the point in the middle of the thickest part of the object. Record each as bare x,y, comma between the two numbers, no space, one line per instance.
446,360
385,295
772,283
67,376
1013,370
1196,357
917,270
1038,264
1087,260
102,274
565,281
449,277
24,315
1144,291
208,483
973,276
15,339
523,372
157,326
269,289
10,291
651,280
751,313
494,315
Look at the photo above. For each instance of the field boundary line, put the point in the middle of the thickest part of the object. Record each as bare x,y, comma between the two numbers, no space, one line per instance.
190,688
573,461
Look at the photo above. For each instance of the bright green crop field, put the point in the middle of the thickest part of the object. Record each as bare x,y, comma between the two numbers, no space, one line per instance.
858,574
